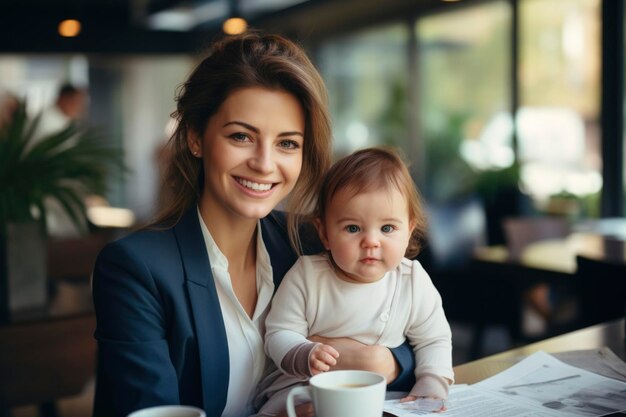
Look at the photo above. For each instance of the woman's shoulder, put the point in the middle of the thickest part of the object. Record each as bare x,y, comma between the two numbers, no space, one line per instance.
276,218
276,224
143,243
147,236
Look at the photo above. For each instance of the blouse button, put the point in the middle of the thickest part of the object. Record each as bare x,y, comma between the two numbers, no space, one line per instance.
384,317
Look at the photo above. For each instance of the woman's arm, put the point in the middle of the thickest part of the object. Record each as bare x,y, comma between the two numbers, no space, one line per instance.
135,369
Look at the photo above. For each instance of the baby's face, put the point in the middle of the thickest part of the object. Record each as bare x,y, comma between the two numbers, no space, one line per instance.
367,234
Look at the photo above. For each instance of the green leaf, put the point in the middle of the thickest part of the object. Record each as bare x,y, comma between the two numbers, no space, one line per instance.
64,166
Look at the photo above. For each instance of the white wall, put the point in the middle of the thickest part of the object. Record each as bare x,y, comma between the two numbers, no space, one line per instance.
148,91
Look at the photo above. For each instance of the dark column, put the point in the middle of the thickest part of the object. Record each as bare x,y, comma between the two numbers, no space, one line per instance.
612,108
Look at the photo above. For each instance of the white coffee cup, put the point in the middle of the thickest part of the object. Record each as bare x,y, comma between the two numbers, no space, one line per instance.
169,411
343,394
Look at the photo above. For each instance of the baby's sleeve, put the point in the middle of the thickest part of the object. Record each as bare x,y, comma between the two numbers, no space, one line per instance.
429,331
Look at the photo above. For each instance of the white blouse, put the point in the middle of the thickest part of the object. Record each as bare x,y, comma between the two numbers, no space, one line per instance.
245,335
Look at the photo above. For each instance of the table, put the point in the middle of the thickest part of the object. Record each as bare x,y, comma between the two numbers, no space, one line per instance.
557,256
611,334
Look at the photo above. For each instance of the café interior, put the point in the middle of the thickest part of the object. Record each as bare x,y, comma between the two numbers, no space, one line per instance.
510,114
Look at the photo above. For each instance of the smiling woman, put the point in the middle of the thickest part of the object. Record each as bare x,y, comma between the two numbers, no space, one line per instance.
181,306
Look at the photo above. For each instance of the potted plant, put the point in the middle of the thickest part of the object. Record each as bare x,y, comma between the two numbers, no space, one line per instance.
62,166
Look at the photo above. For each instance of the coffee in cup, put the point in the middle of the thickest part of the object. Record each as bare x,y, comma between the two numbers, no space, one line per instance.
342,394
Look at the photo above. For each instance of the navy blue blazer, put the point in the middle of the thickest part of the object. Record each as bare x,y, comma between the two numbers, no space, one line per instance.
160,331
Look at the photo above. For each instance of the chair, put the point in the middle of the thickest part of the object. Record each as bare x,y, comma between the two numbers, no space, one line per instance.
521,231
73,259
601,290
45,360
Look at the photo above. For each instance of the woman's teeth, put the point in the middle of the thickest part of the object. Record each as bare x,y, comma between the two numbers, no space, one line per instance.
255,185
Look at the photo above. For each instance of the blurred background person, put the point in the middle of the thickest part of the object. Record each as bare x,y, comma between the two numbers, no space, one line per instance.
8,105
69,106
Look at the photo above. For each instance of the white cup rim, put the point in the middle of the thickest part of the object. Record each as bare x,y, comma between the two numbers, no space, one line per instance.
137,413
328,380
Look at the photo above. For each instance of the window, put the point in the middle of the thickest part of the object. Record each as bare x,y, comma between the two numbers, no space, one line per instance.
558,118
366,76
464,96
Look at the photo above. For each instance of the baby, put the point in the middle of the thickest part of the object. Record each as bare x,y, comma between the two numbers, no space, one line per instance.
368,217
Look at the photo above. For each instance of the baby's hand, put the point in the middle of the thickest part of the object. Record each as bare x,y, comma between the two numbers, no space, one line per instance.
322,358
428,394
430,404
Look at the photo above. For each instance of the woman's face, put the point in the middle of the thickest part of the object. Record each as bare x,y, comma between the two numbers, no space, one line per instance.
252,152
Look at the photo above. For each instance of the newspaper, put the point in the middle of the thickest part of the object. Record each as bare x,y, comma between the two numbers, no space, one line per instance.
599,361
539,385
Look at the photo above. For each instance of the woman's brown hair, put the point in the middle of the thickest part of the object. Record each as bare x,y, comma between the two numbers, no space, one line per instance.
374,169
252,59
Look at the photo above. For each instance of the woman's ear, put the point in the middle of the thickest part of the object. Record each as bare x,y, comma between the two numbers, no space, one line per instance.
194,144
321,231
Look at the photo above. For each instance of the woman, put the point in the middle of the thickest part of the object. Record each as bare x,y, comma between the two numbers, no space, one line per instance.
181,307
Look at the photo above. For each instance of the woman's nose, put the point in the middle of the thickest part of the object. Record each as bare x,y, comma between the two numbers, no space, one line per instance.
263,160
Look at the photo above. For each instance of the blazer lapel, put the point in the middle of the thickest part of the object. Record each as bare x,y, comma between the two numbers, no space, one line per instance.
207,314
282,256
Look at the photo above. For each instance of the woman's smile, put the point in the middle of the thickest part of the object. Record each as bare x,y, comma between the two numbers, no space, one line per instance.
253,185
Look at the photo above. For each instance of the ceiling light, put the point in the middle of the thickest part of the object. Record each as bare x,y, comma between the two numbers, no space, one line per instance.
69,28
234,26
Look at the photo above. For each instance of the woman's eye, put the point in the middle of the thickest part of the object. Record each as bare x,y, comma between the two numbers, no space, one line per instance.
387,228
240,137
289,144
352,228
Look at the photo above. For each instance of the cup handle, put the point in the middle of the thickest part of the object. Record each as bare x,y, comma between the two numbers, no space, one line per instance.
305,391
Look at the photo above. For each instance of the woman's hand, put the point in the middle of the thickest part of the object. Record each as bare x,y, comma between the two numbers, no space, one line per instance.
356,355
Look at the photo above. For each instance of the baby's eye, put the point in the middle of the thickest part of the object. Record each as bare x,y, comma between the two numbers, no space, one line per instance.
387,228
352,228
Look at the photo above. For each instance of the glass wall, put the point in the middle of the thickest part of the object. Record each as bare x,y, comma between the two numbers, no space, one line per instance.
366,76
558,118
461,131
464,97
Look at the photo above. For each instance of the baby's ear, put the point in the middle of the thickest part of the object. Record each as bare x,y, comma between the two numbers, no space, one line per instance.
321,231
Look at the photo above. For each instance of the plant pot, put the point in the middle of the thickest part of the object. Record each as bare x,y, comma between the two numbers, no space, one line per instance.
23,281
